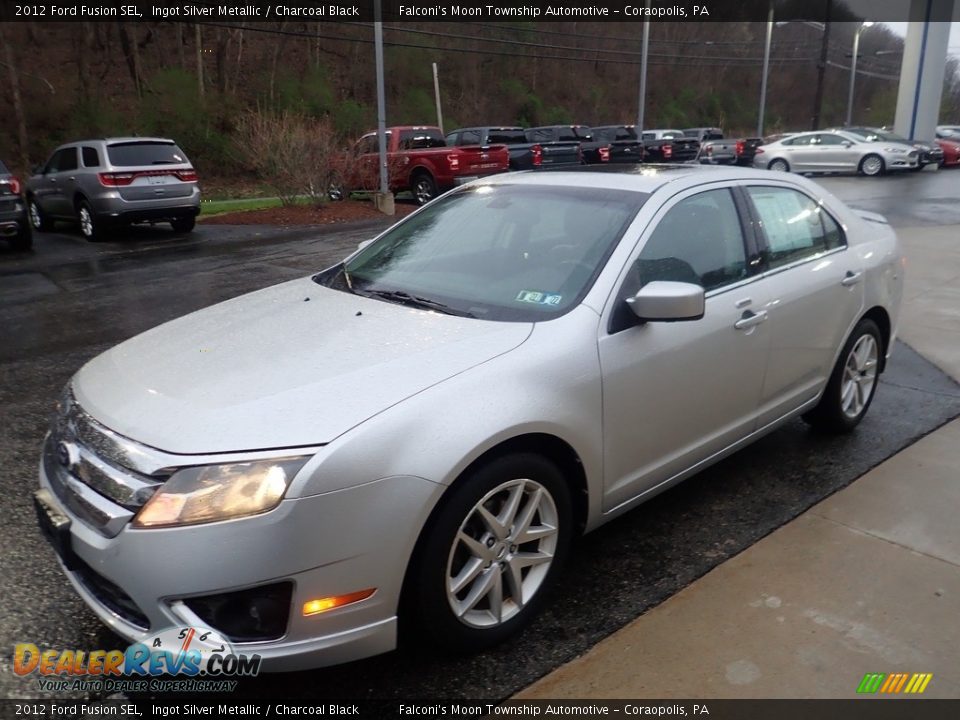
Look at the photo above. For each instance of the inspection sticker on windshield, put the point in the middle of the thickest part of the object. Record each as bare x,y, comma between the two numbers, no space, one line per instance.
540,298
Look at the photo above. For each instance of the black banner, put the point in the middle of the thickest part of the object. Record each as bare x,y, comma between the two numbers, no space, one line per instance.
467,10
857,709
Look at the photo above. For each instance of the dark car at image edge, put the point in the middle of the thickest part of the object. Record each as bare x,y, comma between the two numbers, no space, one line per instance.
14,226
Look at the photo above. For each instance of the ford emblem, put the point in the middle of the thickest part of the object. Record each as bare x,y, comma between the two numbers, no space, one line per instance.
65,454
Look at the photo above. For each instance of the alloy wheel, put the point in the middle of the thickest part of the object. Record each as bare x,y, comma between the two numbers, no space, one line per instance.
86,222
872,165
859,376
502,553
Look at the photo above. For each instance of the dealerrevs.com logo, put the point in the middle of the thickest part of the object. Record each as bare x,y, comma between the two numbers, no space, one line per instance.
198,659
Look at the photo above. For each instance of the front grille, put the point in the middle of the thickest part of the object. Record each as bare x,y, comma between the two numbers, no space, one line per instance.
110,595
95,472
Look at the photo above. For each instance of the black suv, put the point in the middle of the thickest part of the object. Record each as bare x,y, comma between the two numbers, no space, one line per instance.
14,227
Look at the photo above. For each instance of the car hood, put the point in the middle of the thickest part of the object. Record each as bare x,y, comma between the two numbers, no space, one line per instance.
296,364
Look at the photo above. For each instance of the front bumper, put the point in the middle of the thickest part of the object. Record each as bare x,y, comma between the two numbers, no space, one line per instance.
329,544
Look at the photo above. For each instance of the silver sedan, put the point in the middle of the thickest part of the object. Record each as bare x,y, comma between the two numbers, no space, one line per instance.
417,435
834,151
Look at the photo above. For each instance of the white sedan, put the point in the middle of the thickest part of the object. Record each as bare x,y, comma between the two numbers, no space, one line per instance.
417,434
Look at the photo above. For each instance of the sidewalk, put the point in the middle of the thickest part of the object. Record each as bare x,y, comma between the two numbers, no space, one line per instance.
866,581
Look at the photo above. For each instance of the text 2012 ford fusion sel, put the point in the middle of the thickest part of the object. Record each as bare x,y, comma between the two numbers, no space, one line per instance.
417,434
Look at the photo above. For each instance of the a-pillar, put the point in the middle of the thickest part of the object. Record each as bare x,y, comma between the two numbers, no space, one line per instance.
921,74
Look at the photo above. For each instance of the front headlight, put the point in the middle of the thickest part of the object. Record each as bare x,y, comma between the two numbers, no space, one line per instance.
209,493
898,151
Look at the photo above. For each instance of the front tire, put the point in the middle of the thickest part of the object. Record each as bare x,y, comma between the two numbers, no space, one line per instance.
487,560
872,166
852,383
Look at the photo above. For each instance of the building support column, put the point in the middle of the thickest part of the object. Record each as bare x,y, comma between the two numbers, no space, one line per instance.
921,73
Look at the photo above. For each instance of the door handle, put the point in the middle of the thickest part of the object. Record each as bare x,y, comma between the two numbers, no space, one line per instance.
750,319
851,278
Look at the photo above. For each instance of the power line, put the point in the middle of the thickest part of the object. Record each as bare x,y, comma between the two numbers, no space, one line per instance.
661,59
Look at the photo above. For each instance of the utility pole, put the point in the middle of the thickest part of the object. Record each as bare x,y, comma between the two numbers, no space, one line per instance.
384,198
765,72
436,95
641,105
822,68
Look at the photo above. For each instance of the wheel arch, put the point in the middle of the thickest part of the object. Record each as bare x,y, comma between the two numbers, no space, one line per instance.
79,197
546,445
421,170
880,316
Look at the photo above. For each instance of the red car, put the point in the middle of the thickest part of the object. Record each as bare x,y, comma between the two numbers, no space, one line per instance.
951,151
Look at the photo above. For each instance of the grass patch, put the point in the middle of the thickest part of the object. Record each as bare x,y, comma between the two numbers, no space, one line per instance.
218,207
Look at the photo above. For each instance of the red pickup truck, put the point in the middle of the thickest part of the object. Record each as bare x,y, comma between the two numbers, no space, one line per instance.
418,160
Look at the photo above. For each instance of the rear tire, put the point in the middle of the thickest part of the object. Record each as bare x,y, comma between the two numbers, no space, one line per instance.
184,224
779,165
486,561
424,187
38,219
90,227
853,382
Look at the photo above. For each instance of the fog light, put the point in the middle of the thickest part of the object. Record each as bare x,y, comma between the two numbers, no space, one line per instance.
321,605
252,615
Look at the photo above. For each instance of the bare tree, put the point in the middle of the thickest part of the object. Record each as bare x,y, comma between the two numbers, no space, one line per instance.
131,51
198,36
18,113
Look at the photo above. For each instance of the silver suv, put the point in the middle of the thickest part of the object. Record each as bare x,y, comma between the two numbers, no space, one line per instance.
115,181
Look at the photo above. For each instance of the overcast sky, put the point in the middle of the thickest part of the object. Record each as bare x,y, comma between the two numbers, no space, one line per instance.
900,28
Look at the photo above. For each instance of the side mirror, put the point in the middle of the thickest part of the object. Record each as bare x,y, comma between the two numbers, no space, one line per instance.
847,144
362,245
667,301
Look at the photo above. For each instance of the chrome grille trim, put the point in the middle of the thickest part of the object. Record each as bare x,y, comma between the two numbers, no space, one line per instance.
94,509
125,489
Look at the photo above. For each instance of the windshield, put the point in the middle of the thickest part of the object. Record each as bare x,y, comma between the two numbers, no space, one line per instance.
495,252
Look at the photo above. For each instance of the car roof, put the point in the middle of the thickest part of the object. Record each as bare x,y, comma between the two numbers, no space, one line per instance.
638,178
120,140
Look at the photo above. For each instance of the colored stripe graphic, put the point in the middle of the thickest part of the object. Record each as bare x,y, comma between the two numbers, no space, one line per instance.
918,683
912,683
871,682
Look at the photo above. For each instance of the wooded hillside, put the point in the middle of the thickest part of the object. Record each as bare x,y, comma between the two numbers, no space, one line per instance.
193,82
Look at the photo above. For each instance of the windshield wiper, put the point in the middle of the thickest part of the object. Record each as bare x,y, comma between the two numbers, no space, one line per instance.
404,298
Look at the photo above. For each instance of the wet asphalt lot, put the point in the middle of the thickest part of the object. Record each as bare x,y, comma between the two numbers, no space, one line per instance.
69,300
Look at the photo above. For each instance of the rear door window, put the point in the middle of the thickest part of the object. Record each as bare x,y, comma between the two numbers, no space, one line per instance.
91,158
508,137
141,153
420,139
795,226
470,137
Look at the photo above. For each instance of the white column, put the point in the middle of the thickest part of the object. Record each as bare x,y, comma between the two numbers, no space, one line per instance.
921,74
